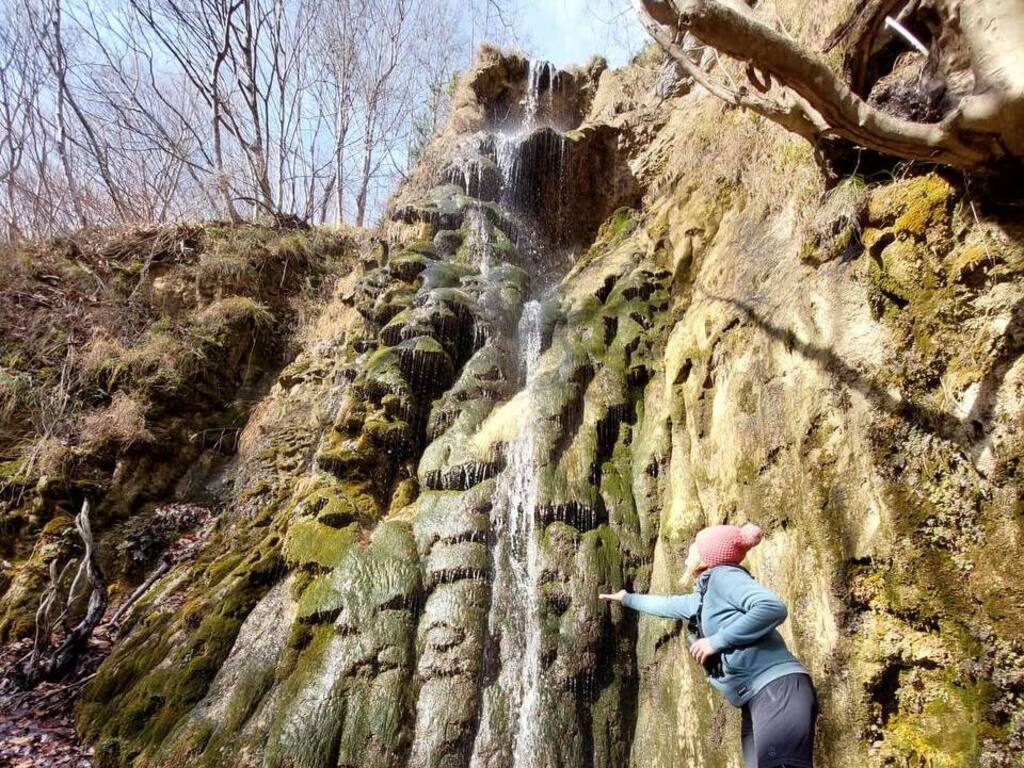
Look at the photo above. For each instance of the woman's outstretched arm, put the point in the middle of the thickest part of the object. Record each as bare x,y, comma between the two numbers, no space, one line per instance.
666,606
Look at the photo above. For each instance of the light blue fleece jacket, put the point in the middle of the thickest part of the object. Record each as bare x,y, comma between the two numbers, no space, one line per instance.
739,619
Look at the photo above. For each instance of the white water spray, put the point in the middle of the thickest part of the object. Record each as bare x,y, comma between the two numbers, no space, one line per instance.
481,240
512,706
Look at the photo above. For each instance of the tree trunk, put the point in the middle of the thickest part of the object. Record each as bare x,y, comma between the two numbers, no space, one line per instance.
364,185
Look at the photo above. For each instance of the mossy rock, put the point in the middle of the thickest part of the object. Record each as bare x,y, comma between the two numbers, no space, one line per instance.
447,516
446,275
383,374
444,206
167,663
917,208
482,379
450,562
383,573
424,364
29,577
310,542
450,461
448,242
408,265
406,322
946,730
365,463
617,227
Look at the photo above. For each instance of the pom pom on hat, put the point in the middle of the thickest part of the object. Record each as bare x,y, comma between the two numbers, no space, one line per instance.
727,544
751,535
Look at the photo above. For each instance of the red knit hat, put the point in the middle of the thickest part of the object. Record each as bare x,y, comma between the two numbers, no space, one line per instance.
721,544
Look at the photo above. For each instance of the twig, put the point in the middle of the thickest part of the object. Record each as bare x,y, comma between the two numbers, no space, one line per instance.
163,567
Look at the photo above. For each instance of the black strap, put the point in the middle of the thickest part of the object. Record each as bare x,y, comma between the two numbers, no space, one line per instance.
700,591
700,609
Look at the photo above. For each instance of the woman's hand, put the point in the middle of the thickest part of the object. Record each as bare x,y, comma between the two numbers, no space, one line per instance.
614,597
702,650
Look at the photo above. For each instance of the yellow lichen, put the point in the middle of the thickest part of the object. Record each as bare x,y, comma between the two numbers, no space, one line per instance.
913,208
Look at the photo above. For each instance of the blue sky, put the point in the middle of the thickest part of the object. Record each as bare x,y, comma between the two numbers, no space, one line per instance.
568,32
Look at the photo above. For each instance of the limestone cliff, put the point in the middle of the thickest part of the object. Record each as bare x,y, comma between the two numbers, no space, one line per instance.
610,311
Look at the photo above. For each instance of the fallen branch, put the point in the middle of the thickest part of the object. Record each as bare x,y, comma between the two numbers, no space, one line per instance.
162,568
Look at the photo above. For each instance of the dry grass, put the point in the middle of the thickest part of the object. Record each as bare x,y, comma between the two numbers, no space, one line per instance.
709,144
79,322
234,311
15,388
101,360
48,457
120,425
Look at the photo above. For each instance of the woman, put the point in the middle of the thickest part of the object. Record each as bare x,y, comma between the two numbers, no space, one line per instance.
732,622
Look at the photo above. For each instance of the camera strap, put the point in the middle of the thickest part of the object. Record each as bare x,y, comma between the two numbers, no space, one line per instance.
699,622
700,610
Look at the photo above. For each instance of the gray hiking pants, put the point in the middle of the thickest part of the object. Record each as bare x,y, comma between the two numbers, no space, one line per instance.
778,724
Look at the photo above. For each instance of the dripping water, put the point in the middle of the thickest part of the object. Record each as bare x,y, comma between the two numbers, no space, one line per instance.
515,612
529,160
481,239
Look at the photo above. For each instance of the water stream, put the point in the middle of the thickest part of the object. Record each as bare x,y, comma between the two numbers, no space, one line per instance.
509,735
512,704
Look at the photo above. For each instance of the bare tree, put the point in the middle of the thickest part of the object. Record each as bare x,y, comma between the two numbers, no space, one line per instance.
149,110
384,46
18,83
976,51
341,25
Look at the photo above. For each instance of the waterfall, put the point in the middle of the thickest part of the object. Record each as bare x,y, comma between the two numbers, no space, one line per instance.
512,704
525,554
481,240
509,734
533,157
534,78
508,144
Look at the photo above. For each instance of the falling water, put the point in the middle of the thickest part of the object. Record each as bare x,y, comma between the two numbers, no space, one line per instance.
481,240
527,562
534,77
466,170
515,696
534,158
507,145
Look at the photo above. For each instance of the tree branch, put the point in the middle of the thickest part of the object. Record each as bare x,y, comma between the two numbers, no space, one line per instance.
819,101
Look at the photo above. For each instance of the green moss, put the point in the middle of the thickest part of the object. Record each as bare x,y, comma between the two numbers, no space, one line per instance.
622,223
407,265
384,371
366,577
167,663
817,250
340,504
946,732
310,542
917,208
445,274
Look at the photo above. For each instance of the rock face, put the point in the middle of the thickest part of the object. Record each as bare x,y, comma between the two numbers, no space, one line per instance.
504,416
